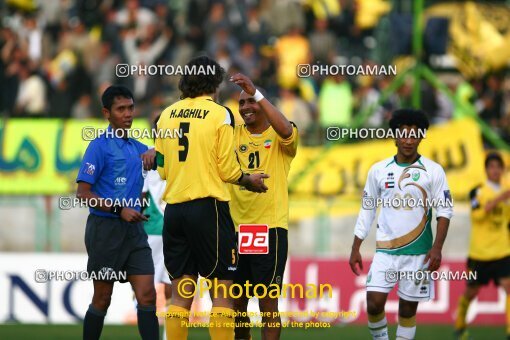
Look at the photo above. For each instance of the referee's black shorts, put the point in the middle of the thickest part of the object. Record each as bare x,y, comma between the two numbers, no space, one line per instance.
114,245
199,238
265,269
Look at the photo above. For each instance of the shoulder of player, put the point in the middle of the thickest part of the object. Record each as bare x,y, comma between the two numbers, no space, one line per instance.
473,192
430,165
385,163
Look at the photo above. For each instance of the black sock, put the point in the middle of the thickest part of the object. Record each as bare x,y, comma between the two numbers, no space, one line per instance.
93,323
148,325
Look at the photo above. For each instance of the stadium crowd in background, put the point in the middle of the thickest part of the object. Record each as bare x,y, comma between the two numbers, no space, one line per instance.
56,57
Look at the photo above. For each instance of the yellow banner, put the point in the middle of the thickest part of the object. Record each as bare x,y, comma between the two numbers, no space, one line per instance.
342,170
42,156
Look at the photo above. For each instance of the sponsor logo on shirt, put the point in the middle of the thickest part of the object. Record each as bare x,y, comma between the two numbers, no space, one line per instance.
120,181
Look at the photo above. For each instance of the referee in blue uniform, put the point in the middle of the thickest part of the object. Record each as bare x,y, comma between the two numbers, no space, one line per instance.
114,236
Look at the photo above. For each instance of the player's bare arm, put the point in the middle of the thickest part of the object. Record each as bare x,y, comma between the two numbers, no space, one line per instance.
278,121
84,192
434,254
501,198
355,260
149,159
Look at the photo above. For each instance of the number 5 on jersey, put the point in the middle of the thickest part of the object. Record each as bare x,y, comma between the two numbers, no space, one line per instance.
183,141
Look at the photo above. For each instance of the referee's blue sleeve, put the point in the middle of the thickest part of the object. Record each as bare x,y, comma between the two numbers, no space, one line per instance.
92,163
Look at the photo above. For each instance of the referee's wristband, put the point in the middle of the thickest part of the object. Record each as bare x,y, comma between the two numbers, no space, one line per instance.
258,96
116,209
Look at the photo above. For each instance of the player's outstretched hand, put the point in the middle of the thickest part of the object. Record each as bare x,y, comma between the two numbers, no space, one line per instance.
355,262
255,182
131,215
244,82
434,255
149,159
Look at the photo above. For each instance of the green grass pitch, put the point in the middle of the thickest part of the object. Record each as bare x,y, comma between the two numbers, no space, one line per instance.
351,332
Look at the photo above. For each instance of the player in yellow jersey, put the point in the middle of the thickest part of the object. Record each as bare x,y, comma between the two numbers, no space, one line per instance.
266,143
489,249
198,232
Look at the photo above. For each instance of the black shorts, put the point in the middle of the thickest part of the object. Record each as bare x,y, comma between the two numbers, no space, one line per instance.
267,268
199,238
489,270
114,245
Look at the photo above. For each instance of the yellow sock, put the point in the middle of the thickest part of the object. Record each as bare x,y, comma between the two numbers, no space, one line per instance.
176,323
508,315
462,308
221,323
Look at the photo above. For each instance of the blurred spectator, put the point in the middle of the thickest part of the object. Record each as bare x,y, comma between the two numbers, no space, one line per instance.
291,49
322,42
335,102
31,98
492,99
296,110
30,36
132,16
247,60
367,97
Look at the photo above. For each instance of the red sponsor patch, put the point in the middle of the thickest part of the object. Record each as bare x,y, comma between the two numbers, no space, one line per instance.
253,239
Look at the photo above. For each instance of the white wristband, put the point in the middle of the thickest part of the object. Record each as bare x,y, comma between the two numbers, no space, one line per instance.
258,96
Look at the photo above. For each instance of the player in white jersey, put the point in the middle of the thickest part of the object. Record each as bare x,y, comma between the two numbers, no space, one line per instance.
408,185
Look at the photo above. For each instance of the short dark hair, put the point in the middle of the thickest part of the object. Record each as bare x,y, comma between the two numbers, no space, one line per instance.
409,117
114,91
494,156
200,83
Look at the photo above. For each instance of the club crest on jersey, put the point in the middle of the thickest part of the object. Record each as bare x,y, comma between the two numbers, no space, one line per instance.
416,175
267,143
243,148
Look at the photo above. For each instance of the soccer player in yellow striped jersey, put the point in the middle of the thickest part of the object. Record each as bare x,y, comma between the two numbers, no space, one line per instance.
266,143
198,232
489,249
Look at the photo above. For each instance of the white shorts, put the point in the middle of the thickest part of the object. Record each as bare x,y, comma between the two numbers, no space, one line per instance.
160,274
384,274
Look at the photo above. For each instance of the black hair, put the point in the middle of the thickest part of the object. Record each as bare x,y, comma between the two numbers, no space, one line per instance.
409,117
114,91
494,156
201,81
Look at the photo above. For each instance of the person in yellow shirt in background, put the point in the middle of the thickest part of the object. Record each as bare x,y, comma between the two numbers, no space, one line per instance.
489,249
266,143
